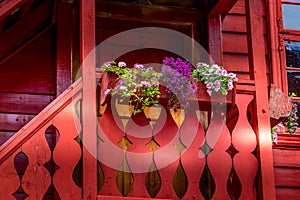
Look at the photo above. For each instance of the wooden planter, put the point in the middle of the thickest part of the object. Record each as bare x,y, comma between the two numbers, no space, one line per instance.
205,101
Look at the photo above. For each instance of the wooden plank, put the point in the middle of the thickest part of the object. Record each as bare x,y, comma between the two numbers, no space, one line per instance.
31,83
238,8
111,26
36,179
37,58
288,140
236,62
5,135
261,121
67,154
143,12
13,122
88,65
235,43
13,36
222,8
287,177
64,46
9,176
215,39
286,157
23,103
234,23
287,193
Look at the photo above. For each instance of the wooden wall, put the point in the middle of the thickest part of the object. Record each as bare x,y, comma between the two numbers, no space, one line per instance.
287,172
235,49
27,85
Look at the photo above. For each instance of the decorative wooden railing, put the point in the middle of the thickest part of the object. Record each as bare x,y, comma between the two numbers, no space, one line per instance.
177,157
34,179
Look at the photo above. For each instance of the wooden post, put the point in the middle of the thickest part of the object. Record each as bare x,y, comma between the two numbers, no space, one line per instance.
87,44
215,39
258,67
64,46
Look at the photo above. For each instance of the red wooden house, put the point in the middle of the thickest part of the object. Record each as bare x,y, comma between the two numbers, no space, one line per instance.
57,140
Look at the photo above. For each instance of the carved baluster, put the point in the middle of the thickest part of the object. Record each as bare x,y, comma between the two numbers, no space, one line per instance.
36,179
244,140
193,159
166,156
9,179
110,154
66,154
219,161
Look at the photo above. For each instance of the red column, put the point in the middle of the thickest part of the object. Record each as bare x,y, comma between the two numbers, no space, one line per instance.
87,44
258,68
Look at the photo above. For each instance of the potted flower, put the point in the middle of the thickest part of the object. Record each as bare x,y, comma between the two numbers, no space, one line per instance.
139,85
215,77
178,81
183,81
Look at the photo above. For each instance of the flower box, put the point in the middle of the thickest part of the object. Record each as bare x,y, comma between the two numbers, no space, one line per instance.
202,97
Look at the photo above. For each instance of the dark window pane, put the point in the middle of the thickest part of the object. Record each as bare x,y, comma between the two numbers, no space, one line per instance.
294,81
291,16
292,50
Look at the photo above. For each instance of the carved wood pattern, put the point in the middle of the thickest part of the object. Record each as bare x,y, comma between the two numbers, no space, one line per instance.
66,158
166,135
244,140
110,132
9,176
36,179
219,139
139,132
193,159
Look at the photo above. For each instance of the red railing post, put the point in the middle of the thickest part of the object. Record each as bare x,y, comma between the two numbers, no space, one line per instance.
258,69
87,56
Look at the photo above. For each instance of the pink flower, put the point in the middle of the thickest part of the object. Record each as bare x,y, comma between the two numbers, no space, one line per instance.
122,64
209,85
209,92
139,66
107,64
107,91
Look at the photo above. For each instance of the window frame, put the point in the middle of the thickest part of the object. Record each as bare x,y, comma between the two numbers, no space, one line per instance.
284,34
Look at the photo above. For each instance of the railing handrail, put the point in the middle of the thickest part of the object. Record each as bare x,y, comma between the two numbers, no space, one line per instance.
29,130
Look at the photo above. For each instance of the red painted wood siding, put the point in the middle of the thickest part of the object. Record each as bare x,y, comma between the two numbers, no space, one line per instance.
27,85
234,33
287,172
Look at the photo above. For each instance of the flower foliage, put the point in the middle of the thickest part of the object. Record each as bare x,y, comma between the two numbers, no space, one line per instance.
215,77
291,123
177,78
139,84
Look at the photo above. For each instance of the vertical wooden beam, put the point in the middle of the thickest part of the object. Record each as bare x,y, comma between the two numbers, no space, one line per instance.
215,39
64,46
274,43
87,44
257,63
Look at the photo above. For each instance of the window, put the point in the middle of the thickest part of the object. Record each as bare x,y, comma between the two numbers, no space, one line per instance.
289,36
